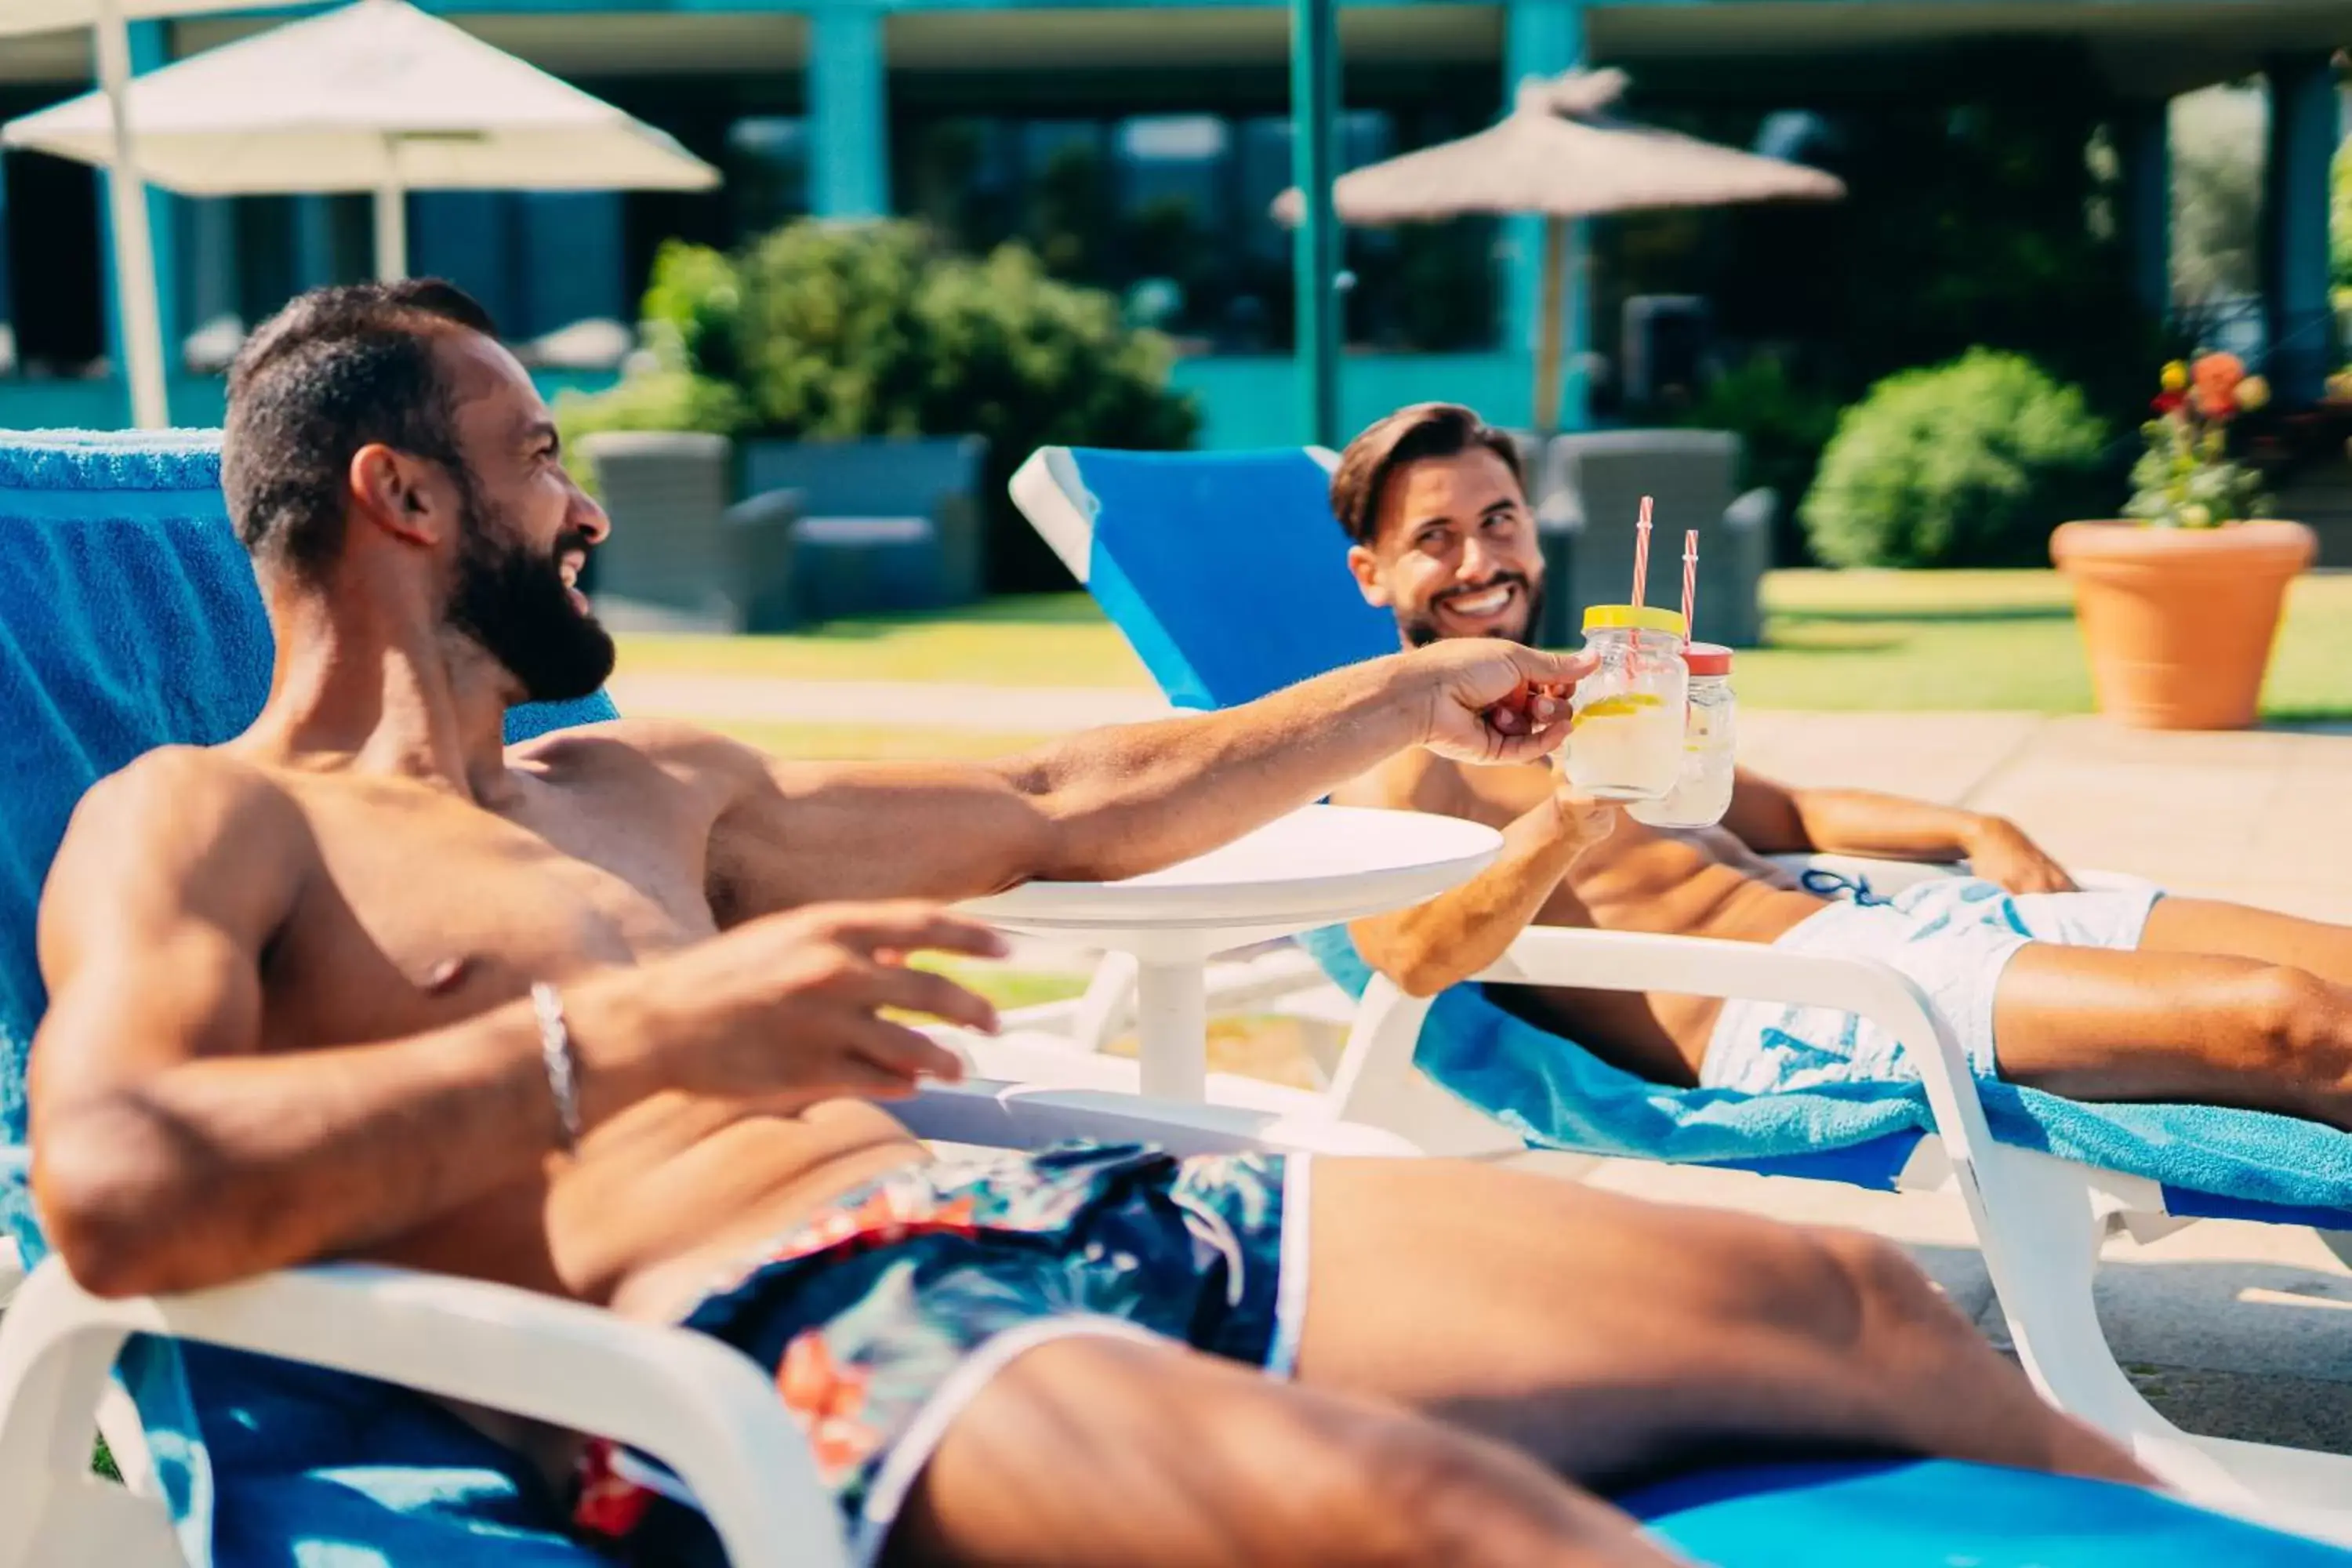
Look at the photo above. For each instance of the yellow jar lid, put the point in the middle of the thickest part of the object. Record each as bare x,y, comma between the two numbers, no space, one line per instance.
1633,619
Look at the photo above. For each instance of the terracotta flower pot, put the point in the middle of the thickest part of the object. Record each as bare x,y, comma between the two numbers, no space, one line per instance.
2179,622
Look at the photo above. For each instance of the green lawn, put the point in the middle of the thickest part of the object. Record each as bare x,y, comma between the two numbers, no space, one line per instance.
1887,640
1046,640
1929,640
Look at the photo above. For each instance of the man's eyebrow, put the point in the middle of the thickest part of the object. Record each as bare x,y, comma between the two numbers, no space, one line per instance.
539,430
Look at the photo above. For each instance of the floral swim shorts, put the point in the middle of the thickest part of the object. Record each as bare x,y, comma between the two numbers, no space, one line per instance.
883,1316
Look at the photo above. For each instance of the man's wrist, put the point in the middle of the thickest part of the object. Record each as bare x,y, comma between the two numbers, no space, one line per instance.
1402,694
1978,829
610,1022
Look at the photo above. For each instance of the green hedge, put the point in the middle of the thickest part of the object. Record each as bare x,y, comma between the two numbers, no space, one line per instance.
1970,463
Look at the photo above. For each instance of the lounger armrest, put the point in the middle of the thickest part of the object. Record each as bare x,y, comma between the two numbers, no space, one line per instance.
769,509
1752,512
704,1409
1702,966
1376,1074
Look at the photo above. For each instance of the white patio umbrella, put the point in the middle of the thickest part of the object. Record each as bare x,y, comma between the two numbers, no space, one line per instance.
134,247
376,97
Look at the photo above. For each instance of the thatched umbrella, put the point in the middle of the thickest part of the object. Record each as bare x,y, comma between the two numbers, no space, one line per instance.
1559,154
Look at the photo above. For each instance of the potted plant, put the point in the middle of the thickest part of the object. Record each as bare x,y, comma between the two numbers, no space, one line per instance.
2179,602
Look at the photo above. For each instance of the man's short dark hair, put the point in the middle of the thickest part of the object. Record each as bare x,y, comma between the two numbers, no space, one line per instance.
336,370
1424,430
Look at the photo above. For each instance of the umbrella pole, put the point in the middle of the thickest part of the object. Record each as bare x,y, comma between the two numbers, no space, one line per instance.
139,316
1315,260
1551,321
390,232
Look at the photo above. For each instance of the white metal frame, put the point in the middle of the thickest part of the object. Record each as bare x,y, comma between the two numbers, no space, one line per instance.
705,1410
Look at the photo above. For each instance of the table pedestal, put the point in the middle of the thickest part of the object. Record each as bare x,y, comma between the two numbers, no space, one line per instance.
1171,1002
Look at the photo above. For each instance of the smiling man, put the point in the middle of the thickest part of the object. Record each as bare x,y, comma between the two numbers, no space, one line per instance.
2119,993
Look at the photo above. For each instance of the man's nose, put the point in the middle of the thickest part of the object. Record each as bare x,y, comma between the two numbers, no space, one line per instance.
589,518
1479,562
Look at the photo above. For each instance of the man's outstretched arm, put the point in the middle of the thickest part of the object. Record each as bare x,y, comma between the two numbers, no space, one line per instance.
172,1153
1117,802
1776,819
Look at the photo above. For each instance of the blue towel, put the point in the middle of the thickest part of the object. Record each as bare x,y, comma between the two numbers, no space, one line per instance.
1556,1094
129,619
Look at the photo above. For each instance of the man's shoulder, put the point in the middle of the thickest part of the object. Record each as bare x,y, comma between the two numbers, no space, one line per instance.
179,827
192,795
628,751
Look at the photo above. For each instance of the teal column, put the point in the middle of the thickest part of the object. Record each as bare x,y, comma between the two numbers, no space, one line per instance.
147,53
848,111
2303,137
314,243
1544,38
1315,246
2144,141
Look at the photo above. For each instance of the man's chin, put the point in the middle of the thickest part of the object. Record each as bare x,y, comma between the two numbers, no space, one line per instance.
1420,631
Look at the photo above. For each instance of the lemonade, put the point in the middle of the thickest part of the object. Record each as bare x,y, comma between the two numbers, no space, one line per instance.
1703,794
1625,747
1625,732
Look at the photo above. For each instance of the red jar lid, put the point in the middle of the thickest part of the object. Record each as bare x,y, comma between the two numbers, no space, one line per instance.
1708,658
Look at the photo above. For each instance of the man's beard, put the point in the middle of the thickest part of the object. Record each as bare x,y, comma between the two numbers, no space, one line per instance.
1421,630
514,604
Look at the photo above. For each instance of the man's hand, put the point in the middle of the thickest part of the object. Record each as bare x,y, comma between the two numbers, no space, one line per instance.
1497,701
1999,851
788,1005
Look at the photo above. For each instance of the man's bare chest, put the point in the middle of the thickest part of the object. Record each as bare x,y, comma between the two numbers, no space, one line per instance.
422,910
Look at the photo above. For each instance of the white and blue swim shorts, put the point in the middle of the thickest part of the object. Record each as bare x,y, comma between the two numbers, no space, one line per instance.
1952,936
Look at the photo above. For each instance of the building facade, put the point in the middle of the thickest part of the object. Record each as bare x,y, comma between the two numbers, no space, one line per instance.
1138,147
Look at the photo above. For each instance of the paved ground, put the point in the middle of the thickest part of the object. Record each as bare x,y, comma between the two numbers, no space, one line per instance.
2236,1329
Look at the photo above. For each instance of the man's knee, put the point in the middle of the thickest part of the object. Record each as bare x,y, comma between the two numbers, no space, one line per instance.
2298,1022
1880,1295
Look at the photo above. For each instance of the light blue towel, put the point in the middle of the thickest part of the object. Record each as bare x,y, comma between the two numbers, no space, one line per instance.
129,619
1556,1094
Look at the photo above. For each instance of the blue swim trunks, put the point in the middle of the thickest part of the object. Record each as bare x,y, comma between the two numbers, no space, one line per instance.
883,1316
1952,936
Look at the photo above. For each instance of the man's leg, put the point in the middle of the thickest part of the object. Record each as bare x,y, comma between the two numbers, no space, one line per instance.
1101,1453
1615,1339
2239,930
2167,1026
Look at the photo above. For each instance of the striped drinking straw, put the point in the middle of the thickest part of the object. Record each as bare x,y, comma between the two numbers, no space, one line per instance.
1690,582
1642,553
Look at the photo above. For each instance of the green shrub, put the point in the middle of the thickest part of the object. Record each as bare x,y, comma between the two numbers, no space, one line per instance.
1970,463
833,331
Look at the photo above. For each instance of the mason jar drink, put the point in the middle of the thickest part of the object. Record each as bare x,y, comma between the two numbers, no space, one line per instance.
1703,794
1625,728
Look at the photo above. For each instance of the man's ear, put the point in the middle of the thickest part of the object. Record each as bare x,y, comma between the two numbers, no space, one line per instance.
394,491
1367,568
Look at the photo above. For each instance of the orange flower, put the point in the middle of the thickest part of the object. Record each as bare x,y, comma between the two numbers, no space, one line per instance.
2217,376
827,1398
